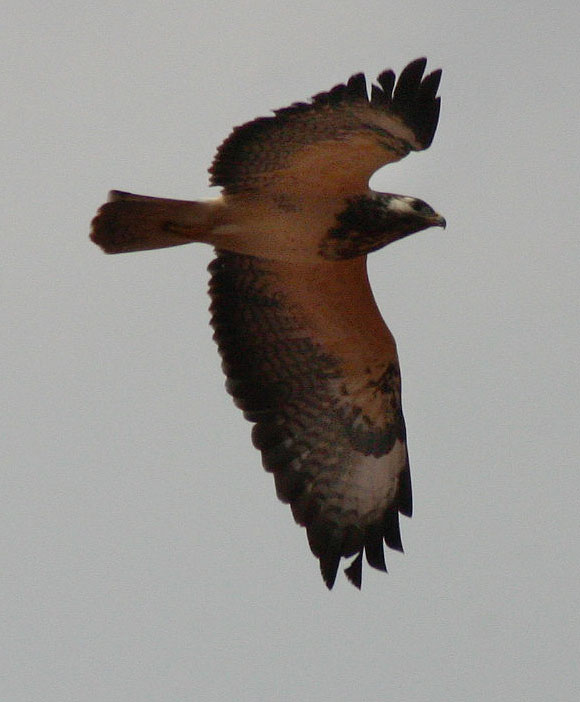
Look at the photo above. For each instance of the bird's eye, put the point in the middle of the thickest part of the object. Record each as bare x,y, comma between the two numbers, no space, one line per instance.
421,207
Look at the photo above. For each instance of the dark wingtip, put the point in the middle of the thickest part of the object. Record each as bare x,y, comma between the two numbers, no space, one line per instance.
430,85
431,120
387,82
412,97
374,548
412,73
328,568
357,86
392,531
354,571
405,493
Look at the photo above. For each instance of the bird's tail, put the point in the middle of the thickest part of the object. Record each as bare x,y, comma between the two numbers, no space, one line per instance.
137,223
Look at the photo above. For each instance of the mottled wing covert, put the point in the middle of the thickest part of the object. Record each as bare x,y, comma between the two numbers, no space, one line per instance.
318,374
337,140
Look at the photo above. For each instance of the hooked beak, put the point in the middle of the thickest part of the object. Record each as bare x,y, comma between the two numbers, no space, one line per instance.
438,221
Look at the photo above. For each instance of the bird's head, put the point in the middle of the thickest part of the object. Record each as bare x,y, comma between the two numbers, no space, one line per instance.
407,214
370,222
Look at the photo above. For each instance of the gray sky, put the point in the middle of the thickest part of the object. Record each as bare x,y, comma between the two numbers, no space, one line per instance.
144,555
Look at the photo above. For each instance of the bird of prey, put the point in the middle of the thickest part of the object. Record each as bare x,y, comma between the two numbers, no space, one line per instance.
307,355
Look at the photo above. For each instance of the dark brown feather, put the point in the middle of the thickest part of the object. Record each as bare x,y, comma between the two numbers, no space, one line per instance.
275,143
311,436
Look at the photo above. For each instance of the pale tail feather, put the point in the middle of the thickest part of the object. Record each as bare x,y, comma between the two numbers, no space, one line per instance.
130,222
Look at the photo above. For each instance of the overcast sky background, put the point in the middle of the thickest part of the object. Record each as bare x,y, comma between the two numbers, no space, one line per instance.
145,556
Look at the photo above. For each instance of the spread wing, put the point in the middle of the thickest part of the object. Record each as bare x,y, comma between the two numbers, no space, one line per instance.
309,359
335,142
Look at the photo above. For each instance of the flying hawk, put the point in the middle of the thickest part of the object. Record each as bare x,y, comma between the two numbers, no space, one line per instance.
307,355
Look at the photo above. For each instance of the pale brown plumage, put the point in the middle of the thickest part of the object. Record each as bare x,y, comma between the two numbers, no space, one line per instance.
307,355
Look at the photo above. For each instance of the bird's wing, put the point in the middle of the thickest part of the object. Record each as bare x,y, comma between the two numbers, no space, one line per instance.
309,359
334,143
